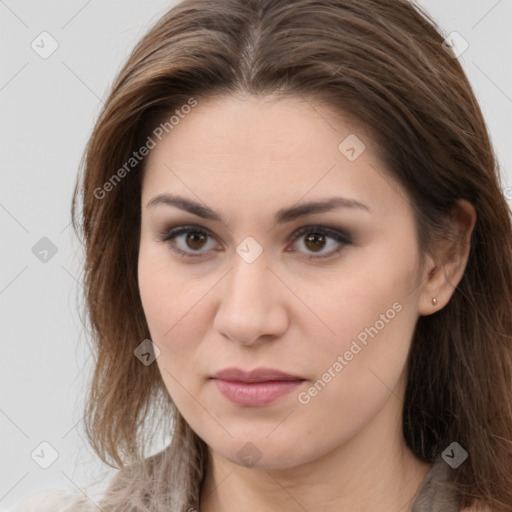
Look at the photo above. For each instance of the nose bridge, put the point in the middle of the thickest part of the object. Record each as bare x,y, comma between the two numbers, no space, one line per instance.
248,283
249,307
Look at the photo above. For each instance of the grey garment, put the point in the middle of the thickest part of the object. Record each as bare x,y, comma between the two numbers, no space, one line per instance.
57,500
436,493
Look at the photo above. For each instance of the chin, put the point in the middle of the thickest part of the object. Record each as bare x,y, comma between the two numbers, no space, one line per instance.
258,452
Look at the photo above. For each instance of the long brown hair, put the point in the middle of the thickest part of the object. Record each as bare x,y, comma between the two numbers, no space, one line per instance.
382,62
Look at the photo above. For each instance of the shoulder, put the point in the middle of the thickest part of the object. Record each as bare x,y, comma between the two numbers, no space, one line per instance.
56,500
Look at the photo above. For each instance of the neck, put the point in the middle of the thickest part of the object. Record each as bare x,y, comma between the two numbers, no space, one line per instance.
374,471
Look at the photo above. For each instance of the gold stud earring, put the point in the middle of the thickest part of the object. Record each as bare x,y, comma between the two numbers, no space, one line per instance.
434,301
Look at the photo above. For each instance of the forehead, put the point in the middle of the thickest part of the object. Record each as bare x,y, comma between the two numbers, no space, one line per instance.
267,150
256,129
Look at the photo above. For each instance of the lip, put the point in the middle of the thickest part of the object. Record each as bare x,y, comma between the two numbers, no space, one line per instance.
255,388
256,375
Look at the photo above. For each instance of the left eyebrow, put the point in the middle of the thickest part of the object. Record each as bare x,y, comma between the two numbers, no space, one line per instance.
282,216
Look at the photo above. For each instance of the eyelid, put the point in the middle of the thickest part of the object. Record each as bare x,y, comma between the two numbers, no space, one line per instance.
168,234
323,228
340,235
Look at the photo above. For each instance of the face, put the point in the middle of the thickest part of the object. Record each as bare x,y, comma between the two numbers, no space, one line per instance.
328,297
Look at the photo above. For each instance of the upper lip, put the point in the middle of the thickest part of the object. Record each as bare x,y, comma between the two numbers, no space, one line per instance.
256,375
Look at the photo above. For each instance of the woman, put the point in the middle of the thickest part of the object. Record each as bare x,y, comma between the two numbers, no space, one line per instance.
299,262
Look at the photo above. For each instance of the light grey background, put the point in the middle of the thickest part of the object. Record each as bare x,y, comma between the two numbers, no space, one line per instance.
48,107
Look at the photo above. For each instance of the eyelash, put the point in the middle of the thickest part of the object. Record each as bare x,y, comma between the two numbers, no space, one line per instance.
168,235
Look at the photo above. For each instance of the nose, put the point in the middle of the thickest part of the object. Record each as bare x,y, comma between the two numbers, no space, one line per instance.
252,304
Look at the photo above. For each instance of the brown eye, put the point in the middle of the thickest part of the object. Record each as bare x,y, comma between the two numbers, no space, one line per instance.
315,242
195,240
320,237
191,239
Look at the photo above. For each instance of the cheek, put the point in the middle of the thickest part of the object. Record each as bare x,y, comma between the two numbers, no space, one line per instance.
156,302
371,313
359,373
165,295
364,304
170,317
161,304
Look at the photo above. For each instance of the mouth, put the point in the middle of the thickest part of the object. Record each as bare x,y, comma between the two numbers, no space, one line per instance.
255,388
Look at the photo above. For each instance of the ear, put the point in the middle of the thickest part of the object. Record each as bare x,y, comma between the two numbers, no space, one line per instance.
444,270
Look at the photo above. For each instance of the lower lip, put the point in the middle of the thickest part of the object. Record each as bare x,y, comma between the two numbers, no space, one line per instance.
255,394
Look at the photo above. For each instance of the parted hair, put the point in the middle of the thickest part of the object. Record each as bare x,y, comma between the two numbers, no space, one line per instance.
382,62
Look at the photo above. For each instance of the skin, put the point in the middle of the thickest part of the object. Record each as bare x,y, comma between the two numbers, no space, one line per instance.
246,158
